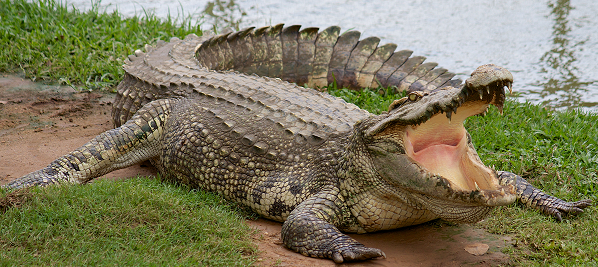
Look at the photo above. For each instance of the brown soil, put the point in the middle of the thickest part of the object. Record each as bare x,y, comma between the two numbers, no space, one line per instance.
39,123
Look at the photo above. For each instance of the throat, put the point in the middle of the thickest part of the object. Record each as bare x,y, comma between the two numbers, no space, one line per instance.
445,160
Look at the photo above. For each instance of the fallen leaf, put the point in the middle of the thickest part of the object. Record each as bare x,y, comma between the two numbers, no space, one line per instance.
477,249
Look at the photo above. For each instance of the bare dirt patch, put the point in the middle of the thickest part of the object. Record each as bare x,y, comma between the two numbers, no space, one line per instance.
39,123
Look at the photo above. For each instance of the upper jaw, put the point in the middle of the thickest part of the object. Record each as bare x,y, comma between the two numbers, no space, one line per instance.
485,86
487,83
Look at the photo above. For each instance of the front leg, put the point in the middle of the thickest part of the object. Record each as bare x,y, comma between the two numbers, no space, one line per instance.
310,230
138,140
535,198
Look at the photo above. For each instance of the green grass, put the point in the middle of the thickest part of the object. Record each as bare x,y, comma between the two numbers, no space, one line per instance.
556,151
127,223
374,101
46,42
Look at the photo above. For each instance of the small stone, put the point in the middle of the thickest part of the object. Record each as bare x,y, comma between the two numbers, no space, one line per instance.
477,249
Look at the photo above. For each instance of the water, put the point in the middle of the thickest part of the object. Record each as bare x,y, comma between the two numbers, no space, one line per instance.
551,47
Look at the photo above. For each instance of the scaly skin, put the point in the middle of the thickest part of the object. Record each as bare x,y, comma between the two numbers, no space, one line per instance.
320,59
299,156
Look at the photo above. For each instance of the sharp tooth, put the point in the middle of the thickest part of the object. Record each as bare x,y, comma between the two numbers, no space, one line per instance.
488,89
510,86
448,115
476,186
502,191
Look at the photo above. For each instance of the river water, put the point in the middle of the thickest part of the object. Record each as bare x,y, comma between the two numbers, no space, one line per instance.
551,47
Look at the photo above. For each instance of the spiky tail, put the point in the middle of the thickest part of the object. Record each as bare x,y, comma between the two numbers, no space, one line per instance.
305,57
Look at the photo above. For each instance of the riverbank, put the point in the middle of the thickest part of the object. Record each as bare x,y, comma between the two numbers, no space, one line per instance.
556,151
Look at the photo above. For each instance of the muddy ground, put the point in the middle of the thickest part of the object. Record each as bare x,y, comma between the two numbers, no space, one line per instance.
39,123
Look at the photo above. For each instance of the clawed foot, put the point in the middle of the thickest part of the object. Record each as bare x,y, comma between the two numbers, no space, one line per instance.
567,208
356,253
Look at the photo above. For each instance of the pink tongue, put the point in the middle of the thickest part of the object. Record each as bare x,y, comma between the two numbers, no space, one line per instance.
436,131
438,157
443,159
427,138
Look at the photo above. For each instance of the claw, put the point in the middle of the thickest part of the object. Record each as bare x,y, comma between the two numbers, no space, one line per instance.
572,208
356,254
337,258
558,217
575,210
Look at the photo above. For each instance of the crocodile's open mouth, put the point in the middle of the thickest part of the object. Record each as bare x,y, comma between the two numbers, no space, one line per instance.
441,147
438,158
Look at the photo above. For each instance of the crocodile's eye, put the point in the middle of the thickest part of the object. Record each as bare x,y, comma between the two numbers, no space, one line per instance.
397,103
414,96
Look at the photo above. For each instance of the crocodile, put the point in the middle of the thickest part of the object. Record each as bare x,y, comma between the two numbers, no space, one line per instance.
225,113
